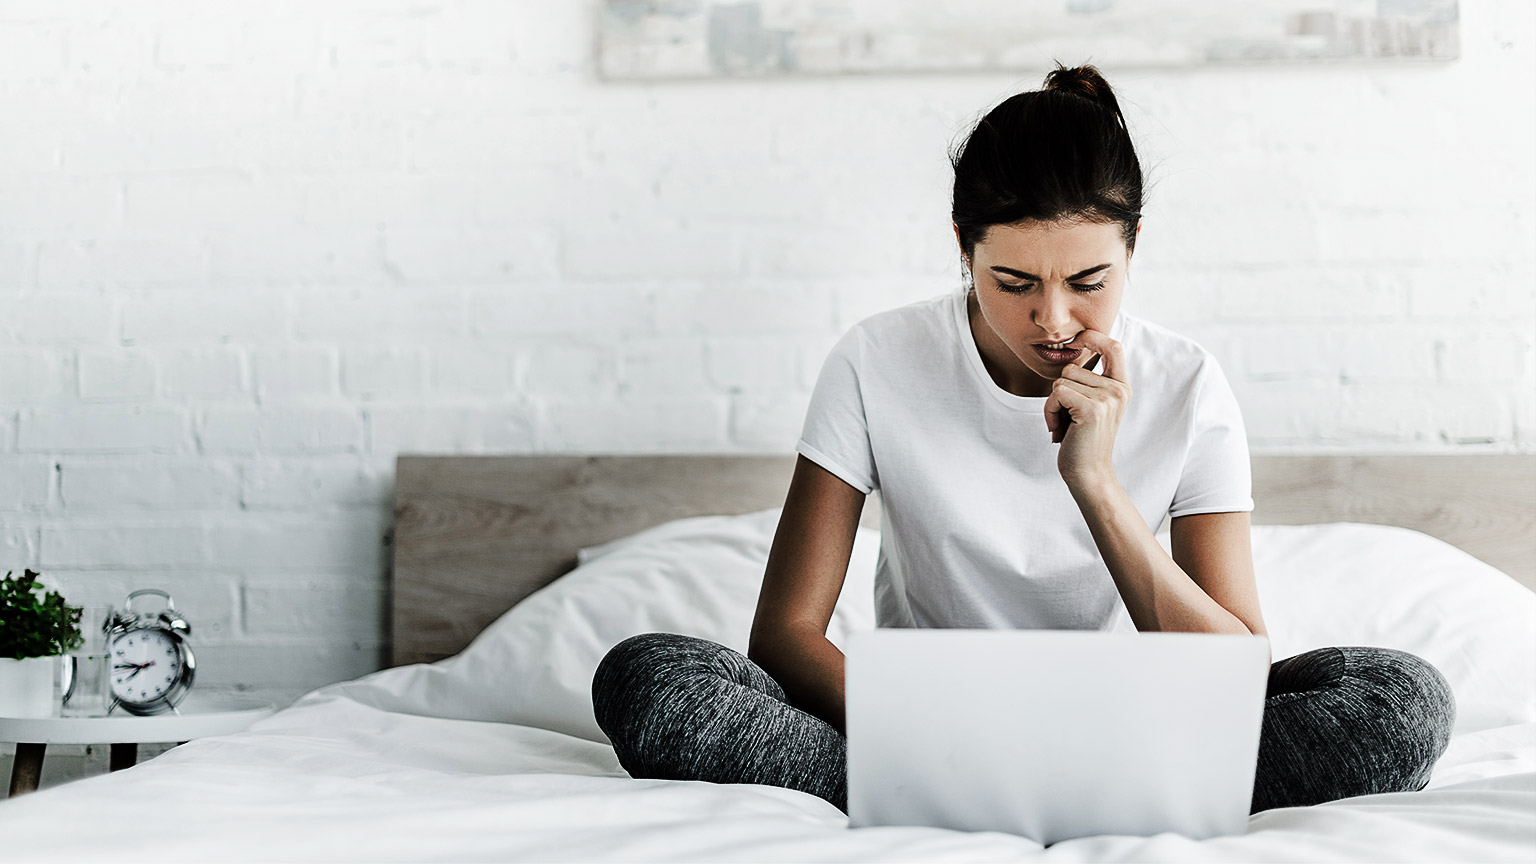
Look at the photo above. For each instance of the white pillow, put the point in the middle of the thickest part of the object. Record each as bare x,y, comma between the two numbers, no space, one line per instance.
534,665
1319,585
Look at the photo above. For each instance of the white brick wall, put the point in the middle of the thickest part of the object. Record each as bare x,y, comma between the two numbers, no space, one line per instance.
250,252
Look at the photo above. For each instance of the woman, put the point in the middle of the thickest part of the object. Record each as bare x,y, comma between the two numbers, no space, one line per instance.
1022,482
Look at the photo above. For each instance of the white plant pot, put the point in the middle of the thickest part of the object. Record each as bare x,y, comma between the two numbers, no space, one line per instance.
26,686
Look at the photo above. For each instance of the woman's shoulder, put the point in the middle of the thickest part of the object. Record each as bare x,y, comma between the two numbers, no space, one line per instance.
1159,353
903,329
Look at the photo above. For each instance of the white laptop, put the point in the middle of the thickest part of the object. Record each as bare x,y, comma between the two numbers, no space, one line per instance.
1054,734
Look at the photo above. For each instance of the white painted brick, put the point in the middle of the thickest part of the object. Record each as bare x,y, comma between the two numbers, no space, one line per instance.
33,376
293,429
756,306
114,147
203,373
619,252
375,373
1525,417
287,253
304,484
127,428
858,298
337,608
24,156
1288,411
569,196
282,672
835,249
54,206
15,266
112,46
238,213
176,316
1452,298
389,198
30,51
660,368
116,375
574,307
351,541
768,421
813,356
18,545
57,316
1442,413
206,596
119,546
295,371
24,482
473,371
1374,352
218,99
621,427
1290,351
673,136
330,146
567,368
379,314
490,143
123,260
140,483
1426,235
1314,294
450,429
752,363
472,255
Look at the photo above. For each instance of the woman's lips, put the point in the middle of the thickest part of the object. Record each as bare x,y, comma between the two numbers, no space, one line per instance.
1051,355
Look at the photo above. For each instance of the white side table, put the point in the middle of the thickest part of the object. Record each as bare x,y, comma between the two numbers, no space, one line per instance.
197,718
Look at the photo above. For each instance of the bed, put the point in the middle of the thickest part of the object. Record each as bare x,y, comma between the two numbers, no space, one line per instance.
513,574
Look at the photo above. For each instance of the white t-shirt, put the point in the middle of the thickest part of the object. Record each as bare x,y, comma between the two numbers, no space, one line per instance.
978,528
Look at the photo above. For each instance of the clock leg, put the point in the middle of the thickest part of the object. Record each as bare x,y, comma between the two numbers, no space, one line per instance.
123,756
27,768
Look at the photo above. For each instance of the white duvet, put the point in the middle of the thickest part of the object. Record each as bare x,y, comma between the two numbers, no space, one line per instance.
493,754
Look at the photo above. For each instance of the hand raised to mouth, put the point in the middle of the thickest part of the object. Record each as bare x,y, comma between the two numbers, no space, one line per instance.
1084,410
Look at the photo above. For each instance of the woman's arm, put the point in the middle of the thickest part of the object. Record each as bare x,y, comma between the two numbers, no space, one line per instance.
804,576
1206,587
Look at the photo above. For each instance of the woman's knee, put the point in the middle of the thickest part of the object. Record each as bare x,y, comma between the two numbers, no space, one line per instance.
653,673
1380,716
1414,699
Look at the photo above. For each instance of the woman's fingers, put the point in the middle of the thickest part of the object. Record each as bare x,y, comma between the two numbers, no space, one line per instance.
1109,349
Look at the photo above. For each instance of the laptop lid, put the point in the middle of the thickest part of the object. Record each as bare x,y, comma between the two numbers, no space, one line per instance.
1054,734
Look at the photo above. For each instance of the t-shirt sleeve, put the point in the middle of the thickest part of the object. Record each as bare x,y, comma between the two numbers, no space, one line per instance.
836,431
1217,477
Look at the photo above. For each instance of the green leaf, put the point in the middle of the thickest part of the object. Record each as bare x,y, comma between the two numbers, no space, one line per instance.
35,622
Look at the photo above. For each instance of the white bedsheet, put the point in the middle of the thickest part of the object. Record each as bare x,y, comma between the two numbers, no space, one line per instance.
330,779
439,763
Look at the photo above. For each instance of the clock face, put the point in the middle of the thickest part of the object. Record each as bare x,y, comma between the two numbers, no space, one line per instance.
145,665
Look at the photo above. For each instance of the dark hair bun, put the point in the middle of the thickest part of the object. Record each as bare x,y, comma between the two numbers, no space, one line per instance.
1087,82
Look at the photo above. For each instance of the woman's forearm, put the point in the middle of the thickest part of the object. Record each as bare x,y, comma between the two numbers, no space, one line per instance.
1158,594
809,668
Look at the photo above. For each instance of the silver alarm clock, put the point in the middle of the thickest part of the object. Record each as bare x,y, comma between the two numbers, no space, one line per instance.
152,665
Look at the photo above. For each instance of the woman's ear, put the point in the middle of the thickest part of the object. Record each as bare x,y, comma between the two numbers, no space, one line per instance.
963,258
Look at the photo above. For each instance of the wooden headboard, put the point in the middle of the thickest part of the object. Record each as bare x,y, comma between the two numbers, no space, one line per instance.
476,534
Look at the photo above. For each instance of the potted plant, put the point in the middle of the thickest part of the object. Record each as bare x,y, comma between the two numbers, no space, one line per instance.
36,628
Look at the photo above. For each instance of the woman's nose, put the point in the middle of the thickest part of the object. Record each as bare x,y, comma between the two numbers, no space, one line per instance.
1054,314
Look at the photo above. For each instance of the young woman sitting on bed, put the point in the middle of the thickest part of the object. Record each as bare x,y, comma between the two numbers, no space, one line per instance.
1021,488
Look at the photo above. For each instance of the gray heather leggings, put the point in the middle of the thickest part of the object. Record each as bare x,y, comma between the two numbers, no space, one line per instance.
1338,722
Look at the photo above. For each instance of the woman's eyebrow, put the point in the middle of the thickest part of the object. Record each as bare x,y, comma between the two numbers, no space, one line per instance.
1020,274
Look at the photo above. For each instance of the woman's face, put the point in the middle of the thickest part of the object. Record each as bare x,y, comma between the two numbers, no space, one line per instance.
1040,282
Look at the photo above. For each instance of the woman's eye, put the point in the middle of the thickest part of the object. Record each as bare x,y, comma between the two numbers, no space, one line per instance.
1021,287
